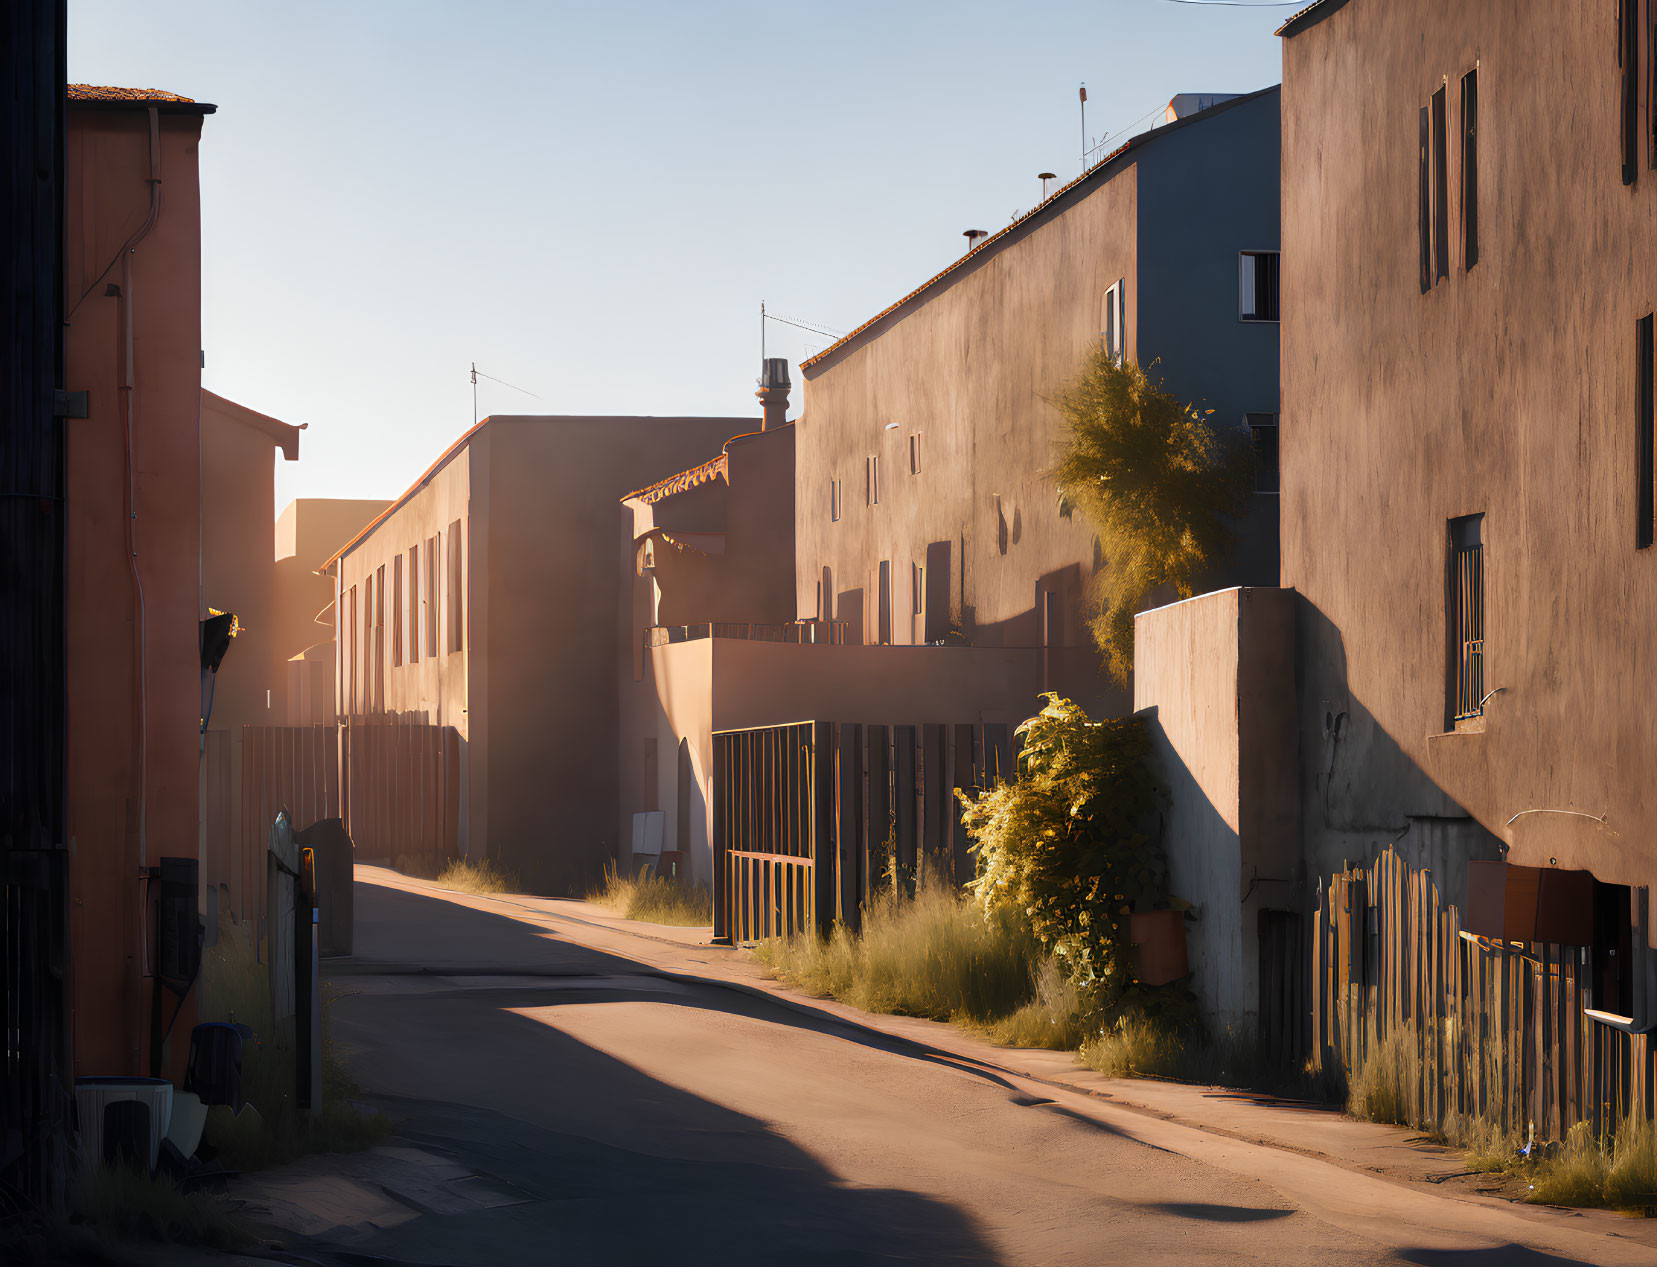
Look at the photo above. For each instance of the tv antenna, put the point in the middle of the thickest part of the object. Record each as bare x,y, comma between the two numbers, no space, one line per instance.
477,374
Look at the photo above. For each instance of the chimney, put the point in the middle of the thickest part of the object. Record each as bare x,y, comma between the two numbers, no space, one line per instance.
773,391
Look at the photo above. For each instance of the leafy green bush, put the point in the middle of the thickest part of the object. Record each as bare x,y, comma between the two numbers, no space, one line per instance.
1158,484
1064,844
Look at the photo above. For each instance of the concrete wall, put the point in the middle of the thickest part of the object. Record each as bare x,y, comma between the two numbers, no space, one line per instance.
1507,390
133,666
970,365
692,689
554,637
1214,680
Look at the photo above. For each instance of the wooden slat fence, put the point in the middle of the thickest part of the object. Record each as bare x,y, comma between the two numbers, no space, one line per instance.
401,790
295,768
809,817
1497,1029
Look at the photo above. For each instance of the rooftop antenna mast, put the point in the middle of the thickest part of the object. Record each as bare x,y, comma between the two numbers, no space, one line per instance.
1083,95
477,374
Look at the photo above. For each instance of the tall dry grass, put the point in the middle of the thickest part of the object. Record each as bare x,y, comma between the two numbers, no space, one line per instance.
654,899
937,955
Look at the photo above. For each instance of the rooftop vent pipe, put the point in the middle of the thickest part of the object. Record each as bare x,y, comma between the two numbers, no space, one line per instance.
972,236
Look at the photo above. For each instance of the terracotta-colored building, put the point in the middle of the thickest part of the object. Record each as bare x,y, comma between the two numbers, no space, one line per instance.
133,344
478,613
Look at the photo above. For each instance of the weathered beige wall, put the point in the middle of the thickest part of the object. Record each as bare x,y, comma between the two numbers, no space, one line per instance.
969,372
691,689
1214,681
1507,390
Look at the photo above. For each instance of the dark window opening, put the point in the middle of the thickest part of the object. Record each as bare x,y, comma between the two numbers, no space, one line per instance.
1470,169
1441,188
1644,499
1466,610
1257,285
1263,435
884,598
1628,62
1611,961
1424,199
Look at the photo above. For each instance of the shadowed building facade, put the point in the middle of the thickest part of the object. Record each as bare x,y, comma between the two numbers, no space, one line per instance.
924,511
479,610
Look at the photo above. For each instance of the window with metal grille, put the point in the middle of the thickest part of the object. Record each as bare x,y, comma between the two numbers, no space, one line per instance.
1466,607
1263,435
1257,286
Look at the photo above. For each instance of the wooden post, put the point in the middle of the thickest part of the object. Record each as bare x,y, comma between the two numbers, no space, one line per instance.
281,871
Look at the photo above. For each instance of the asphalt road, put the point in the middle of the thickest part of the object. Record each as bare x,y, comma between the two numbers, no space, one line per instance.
632,1119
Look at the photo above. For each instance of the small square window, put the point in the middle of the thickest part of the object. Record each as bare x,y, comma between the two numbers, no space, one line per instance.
1257,286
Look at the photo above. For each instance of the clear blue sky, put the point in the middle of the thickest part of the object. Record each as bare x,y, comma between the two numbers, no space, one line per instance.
591,200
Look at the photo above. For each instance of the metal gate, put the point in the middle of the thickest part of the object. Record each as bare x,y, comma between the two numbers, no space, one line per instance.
809,818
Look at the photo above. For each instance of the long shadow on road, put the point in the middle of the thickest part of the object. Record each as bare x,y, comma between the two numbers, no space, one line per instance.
618,1166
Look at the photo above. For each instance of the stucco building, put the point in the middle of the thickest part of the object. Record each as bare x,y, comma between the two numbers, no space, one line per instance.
132,343
308,532
482,604
924,513
1467,458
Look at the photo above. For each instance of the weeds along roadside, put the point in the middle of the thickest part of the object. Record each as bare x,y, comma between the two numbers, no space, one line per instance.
1618,1171
654,899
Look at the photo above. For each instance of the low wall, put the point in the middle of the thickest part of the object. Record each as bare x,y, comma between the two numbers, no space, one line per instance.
1214,679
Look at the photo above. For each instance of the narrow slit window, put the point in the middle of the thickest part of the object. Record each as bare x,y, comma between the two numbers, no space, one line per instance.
1645,531
915,453
434,569
834,501
1257,286
1628,64
884,630
414,604
379,638
1466,607
452,599
1424,199
1441,189
1470,168
1263,436
351,671
397,612
871,481
917,581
